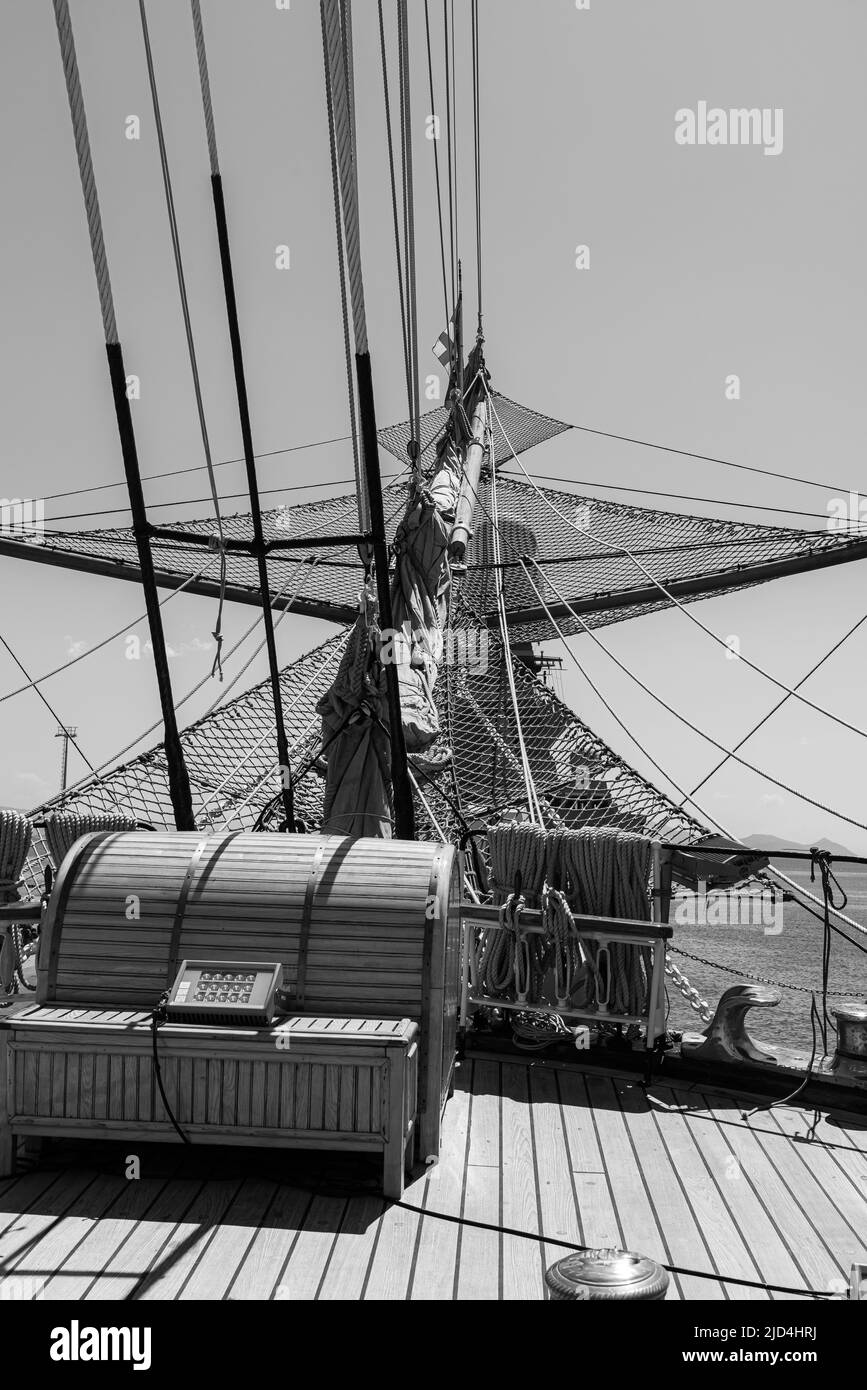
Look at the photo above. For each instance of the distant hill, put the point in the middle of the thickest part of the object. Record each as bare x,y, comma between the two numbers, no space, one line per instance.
772,844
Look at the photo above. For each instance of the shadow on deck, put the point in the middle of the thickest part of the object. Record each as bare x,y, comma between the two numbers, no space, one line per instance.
537,1147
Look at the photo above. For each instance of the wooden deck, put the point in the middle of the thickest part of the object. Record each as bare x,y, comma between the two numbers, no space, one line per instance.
577,1155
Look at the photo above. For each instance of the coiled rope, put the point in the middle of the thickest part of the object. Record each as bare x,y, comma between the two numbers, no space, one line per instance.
63,828
16,834
597,872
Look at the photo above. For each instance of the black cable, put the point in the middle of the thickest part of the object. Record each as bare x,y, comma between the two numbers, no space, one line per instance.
226,497
823,859
474,21
707,458
159,1016
395,218
202,467
449,149
677,496
755,729
435,118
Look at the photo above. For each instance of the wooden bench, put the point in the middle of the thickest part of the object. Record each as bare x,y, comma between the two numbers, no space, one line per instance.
362,929
305,1082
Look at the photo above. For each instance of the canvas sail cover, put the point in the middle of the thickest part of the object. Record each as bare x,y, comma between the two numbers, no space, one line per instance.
356,743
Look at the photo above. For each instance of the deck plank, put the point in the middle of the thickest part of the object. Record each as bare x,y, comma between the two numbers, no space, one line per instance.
752,1214
132,1259
636,1215
523,1260
350,1256
90,1257
49,1241
214,1273
27,1229
259,1273
435,1273
480,1252
537,1145
300,1279
593,1193
683,1233
559,1215
185,1242
801,1207
393,1252
731,1250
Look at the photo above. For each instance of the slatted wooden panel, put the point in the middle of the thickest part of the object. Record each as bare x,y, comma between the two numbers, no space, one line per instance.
366,927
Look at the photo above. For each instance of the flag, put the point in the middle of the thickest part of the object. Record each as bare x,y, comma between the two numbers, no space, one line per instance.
444,350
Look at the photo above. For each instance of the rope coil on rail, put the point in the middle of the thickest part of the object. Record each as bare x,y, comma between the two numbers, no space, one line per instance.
595,872
16,834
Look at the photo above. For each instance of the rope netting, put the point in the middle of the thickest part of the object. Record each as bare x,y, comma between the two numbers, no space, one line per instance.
233,775
525,429
605,585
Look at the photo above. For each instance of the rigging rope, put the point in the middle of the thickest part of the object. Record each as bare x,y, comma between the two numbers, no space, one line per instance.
217,633
85,167
707,458
30,685
622,550
409,221
51,711
395,219
668,708
775,873
474,21
449,144
345,139
435,142
204,80
360,488
678,496
778,705
532,798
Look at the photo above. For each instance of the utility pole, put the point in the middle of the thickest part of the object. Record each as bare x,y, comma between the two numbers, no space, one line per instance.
66,733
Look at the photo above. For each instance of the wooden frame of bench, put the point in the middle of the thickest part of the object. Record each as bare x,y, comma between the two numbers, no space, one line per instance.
305,1082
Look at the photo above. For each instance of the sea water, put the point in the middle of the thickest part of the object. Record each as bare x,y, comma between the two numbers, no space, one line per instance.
789,953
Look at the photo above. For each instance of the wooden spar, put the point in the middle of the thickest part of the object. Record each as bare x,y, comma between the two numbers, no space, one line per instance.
253,488
404,807
179,782
465,512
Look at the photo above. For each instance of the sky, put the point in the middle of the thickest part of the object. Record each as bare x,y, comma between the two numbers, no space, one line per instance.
705,261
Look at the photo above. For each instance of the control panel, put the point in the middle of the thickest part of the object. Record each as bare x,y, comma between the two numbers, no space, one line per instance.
225,992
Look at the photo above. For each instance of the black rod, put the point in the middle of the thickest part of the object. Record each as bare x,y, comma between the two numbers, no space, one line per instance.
179,782
168,533
404,809
717,581
253,488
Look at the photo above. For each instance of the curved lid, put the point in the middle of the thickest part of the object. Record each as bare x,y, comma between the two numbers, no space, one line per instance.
607,1270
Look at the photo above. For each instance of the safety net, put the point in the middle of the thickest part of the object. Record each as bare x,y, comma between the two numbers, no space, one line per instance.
233,766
